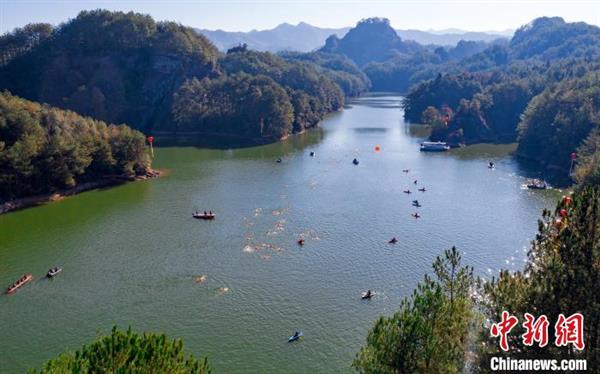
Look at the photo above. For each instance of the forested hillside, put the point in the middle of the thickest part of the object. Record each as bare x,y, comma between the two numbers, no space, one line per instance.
127,68
43,149
540,90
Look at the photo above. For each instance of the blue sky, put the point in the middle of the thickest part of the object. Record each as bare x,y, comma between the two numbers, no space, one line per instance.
240,15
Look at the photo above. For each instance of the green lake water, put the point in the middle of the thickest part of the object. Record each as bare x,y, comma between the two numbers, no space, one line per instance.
131,254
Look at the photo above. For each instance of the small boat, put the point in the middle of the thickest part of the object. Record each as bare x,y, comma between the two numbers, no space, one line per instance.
405,170
355,162
407,191
367,295
416,215
205,216
537,184
434,147
22,281
422,189
52,272
279,160
393,240
297,335
300,242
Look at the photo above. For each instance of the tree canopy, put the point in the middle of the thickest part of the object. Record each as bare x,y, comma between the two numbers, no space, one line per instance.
127,352
43,149
429,332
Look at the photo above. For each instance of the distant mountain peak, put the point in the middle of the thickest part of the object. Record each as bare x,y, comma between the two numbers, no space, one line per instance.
372,39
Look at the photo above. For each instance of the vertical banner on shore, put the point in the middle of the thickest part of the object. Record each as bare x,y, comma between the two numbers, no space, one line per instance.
151,141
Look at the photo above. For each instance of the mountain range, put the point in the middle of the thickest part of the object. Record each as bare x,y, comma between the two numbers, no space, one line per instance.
304,37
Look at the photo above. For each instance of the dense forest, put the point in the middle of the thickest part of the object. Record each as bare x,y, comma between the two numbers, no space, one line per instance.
445,326
43,149
127,68
541,92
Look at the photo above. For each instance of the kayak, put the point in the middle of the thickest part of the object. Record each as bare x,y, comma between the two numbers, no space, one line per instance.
295,337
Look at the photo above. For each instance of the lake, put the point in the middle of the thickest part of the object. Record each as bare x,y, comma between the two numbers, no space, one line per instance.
131,254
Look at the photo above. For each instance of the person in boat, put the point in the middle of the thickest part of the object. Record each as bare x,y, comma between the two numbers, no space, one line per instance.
415,182
301,241
279,160
405,170
491,165
406,191
416,215
422,189
393,240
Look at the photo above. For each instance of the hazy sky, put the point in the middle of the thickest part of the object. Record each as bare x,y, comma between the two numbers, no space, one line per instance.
240,15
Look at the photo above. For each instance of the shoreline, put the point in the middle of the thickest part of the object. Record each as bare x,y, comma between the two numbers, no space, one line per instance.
108,181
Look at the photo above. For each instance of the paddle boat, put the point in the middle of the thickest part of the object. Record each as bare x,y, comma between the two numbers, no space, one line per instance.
367,295
52,272
205,216
297,335
19,283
